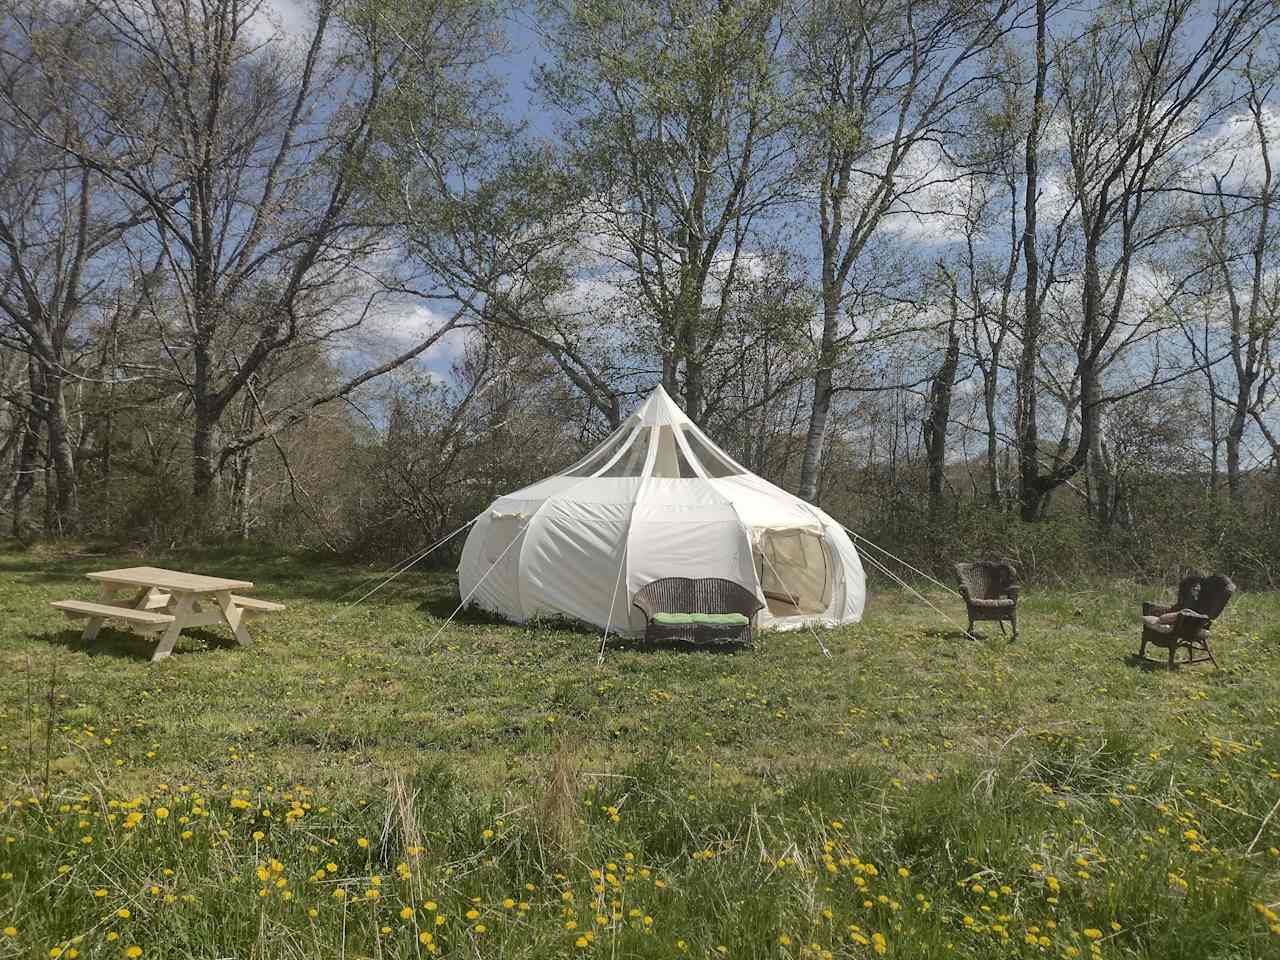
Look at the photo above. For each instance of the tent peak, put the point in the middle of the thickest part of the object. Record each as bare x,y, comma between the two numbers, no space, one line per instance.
659,408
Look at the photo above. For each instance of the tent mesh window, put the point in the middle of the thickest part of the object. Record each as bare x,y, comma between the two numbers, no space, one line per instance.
670,460
715,464
593,461
631,463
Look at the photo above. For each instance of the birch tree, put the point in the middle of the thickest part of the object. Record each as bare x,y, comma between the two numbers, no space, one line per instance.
881,87
671,114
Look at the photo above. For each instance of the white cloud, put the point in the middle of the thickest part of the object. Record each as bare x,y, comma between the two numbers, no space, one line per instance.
281,20
1231,150
392,327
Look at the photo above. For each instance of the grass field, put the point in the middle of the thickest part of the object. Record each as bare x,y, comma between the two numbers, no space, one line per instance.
351,787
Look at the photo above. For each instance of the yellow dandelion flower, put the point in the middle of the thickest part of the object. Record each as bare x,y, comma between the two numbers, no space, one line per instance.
133,952
362,843
406,913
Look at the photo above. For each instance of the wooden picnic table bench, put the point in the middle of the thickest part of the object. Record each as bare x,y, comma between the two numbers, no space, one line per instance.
167,602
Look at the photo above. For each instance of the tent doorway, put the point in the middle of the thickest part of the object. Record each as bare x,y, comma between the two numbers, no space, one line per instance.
795,571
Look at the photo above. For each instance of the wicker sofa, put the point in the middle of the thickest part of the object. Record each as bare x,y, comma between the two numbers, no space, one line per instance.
702,610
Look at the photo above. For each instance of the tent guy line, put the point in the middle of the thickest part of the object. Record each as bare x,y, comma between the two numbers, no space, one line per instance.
444,626
403,566
622,563
920,596
938,583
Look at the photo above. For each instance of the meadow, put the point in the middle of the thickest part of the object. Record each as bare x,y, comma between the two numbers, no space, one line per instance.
355,786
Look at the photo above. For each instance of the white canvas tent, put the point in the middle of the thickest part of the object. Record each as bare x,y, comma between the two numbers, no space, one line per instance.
658,499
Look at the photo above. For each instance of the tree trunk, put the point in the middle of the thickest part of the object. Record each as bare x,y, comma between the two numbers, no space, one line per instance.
241,492
1234,441
939,415
820,412
66,505
1030,492
993,446
207,415
203,473
25,468
242,471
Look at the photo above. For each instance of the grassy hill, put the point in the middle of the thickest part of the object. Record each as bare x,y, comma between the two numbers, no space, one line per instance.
355,786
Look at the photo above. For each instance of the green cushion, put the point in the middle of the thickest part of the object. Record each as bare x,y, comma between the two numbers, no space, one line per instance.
708,619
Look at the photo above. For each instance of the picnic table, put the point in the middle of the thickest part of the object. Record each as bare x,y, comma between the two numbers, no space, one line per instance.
166,602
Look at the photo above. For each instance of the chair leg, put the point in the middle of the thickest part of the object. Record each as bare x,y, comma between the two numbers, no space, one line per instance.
1209,650
1013,619
1001,622
1172,650
1142,647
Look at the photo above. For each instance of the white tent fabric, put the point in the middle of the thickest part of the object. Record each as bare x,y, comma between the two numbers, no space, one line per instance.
658,499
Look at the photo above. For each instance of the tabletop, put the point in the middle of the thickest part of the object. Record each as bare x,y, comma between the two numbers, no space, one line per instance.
170,580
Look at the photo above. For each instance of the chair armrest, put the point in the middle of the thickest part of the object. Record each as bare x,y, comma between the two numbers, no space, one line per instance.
964,593
1190,616
643,607
1012,592
1152,609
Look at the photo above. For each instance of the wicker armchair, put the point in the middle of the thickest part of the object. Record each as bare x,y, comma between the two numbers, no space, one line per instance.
1200,601
679,596
990,590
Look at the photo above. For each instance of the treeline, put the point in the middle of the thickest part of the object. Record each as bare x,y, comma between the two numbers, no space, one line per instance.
998,276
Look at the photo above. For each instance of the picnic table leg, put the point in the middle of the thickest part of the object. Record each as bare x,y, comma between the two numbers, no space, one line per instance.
94,624
182,608
234,617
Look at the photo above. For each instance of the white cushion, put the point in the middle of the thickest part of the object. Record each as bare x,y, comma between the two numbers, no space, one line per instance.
1154,623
